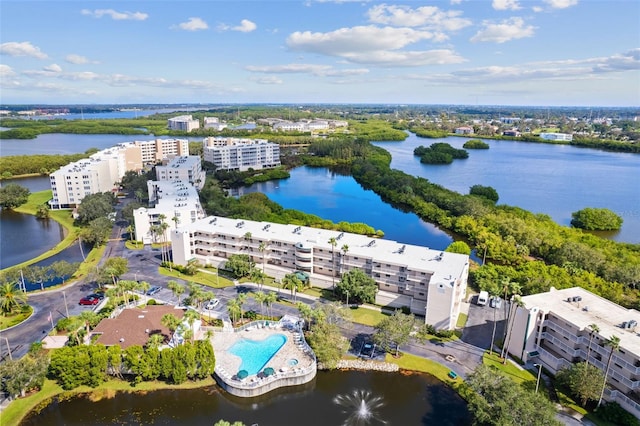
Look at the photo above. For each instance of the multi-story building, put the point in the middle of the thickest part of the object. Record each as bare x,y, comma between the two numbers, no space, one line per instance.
556,136
241,154
554,329
158,149
431,283
187,168
98,173
174,203
185,123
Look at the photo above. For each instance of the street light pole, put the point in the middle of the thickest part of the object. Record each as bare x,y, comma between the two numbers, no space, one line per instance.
347,291
9,349
66,308
539,373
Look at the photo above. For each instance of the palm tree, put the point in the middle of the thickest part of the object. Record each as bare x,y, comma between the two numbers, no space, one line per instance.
345,249
269,300
614,343
191,316
176,288
262,248
292,282
260,297
516,303
155,340
510,289
594,329
171,322
242,299
11,297
493,292
333,243
143,287
234,309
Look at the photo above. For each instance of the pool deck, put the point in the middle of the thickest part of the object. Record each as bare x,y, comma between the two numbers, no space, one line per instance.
295,347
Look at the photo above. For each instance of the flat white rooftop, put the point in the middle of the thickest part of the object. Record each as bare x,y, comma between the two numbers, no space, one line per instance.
441,264
591,309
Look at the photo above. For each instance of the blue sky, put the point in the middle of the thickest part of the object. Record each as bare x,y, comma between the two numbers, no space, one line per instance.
475,52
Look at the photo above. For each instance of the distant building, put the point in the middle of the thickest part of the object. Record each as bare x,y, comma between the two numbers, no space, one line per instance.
553,329
184,123
214,123
177,201
241,154
430,282
464,130
556,136
187,168
511,133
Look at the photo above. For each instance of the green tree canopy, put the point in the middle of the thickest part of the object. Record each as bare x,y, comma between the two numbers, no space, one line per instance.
94,206
584,381
394,331
594,219
484,191
360,287
475,144
459,247
13,195
240,265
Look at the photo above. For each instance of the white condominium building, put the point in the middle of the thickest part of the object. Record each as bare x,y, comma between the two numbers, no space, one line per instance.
177,201
554,329
241,154
556,136
188,169
98,173
185,123
430,282
158,149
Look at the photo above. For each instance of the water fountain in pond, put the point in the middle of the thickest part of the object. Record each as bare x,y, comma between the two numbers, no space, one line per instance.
361,408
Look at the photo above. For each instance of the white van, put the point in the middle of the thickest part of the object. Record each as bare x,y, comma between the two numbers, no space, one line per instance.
483,298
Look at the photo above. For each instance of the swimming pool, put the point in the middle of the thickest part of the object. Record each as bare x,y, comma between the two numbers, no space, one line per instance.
255,354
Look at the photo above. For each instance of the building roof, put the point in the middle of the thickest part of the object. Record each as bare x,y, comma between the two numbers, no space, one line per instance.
440,264
134,326
591,309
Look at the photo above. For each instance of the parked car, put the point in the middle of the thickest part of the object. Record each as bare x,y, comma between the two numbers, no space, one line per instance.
495,302
483,298
88,300
368,350
211,304
98,296
153,290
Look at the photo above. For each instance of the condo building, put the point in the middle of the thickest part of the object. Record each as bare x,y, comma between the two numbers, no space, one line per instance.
556,136
185,123
157,150
241,154
173,203
554,329
431,283
187,168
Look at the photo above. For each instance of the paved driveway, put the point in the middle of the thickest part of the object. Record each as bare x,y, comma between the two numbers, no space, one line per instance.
480,322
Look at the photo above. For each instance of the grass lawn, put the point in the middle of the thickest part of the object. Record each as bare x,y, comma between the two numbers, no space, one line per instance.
366,316
204,278
462,320
416,363
18,409
134,245
11,320
514,373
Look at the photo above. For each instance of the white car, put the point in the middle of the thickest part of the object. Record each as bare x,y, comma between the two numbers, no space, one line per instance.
212,304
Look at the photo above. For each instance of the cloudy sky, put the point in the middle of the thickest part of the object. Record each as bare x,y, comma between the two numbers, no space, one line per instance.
475,52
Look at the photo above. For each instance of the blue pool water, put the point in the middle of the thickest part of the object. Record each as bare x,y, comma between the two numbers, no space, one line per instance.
255,354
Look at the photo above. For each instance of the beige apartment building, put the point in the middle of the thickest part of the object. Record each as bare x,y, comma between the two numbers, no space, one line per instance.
431,283
187,169
553,329
185,123
241,154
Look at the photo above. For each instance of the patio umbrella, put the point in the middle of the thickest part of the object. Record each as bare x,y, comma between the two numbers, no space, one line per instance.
268,371
242,374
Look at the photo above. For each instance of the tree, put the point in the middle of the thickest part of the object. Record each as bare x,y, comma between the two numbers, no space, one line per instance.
516,302
584,381
234,309
43,212
594,329
594,219
394,331
261,297
191,316
270,300
493,291
459,247
344,249
262,248
292,282
97,231
614,343
171,322
306,313
94,206
11,297
510,290
13,195
357,286
333,243
240,265
327,342
484,191
498,400
176,288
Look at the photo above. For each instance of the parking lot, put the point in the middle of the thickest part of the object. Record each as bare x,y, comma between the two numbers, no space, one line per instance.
479,326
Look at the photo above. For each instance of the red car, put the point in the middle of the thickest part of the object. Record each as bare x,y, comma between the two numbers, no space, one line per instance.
89,300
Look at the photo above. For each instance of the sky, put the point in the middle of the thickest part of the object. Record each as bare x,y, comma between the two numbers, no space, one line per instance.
455,52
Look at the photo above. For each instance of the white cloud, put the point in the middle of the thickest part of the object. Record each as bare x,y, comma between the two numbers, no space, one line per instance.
427,17
537,9
506,5
6,71
25,48
372,45
267,80
53,68
193,24
318,70
561,4
115,15
78,59
245,26
506,30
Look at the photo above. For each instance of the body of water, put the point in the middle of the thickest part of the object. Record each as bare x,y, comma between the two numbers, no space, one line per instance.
333,398
112,114
62,143
556,180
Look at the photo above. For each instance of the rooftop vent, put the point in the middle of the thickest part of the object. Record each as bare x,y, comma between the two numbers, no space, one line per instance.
340,236
267,226
371,243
